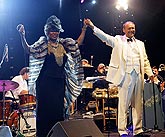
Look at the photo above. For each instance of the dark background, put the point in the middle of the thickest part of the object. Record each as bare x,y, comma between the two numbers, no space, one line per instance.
148,15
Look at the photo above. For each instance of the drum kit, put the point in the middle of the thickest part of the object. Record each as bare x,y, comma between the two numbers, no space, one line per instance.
19,115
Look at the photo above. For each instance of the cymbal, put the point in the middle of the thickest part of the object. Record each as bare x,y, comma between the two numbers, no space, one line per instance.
6,85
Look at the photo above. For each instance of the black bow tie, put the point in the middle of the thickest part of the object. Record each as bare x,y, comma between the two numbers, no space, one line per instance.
129,40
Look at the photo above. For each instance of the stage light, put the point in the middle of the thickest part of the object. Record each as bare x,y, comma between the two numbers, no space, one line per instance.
1,4
93,1
122,4
60,4
81,1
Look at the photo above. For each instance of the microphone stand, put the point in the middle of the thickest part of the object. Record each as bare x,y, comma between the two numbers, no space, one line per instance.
108,104
20,113
108,100
3,57
91,60
3,108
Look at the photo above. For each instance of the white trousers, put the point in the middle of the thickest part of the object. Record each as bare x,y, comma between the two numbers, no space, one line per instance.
130,94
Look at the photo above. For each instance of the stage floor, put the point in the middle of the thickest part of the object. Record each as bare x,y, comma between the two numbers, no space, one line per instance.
111,130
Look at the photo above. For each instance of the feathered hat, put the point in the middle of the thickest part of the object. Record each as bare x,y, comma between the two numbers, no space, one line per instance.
53,24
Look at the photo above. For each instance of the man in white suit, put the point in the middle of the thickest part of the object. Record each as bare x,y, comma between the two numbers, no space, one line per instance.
126,70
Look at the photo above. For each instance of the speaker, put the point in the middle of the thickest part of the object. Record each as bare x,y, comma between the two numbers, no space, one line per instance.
75,128
5,131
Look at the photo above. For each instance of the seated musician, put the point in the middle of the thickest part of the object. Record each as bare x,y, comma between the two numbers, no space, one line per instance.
101,82
21,79
158,79
100,71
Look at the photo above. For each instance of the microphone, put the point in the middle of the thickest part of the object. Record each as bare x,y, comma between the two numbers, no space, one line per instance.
91,60
7,52
19,26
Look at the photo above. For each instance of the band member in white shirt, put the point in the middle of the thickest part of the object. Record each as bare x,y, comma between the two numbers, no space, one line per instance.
21,79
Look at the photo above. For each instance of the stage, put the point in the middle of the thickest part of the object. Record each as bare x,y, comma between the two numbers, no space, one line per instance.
112,131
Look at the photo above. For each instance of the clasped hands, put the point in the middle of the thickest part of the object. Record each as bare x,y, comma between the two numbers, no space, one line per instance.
89,23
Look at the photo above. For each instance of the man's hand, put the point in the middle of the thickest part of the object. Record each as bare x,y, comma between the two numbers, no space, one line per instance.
151,78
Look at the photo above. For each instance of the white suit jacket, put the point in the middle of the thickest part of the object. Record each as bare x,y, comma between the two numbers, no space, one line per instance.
117,66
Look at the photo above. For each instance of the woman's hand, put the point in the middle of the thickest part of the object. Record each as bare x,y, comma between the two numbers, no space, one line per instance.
21,29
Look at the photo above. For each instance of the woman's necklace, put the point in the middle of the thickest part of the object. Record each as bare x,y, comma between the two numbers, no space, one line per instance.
54,45
58,50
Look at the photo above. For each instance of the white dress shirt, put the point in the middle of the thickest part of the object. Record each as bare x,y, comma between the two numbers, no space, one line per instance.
133,57
22,86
